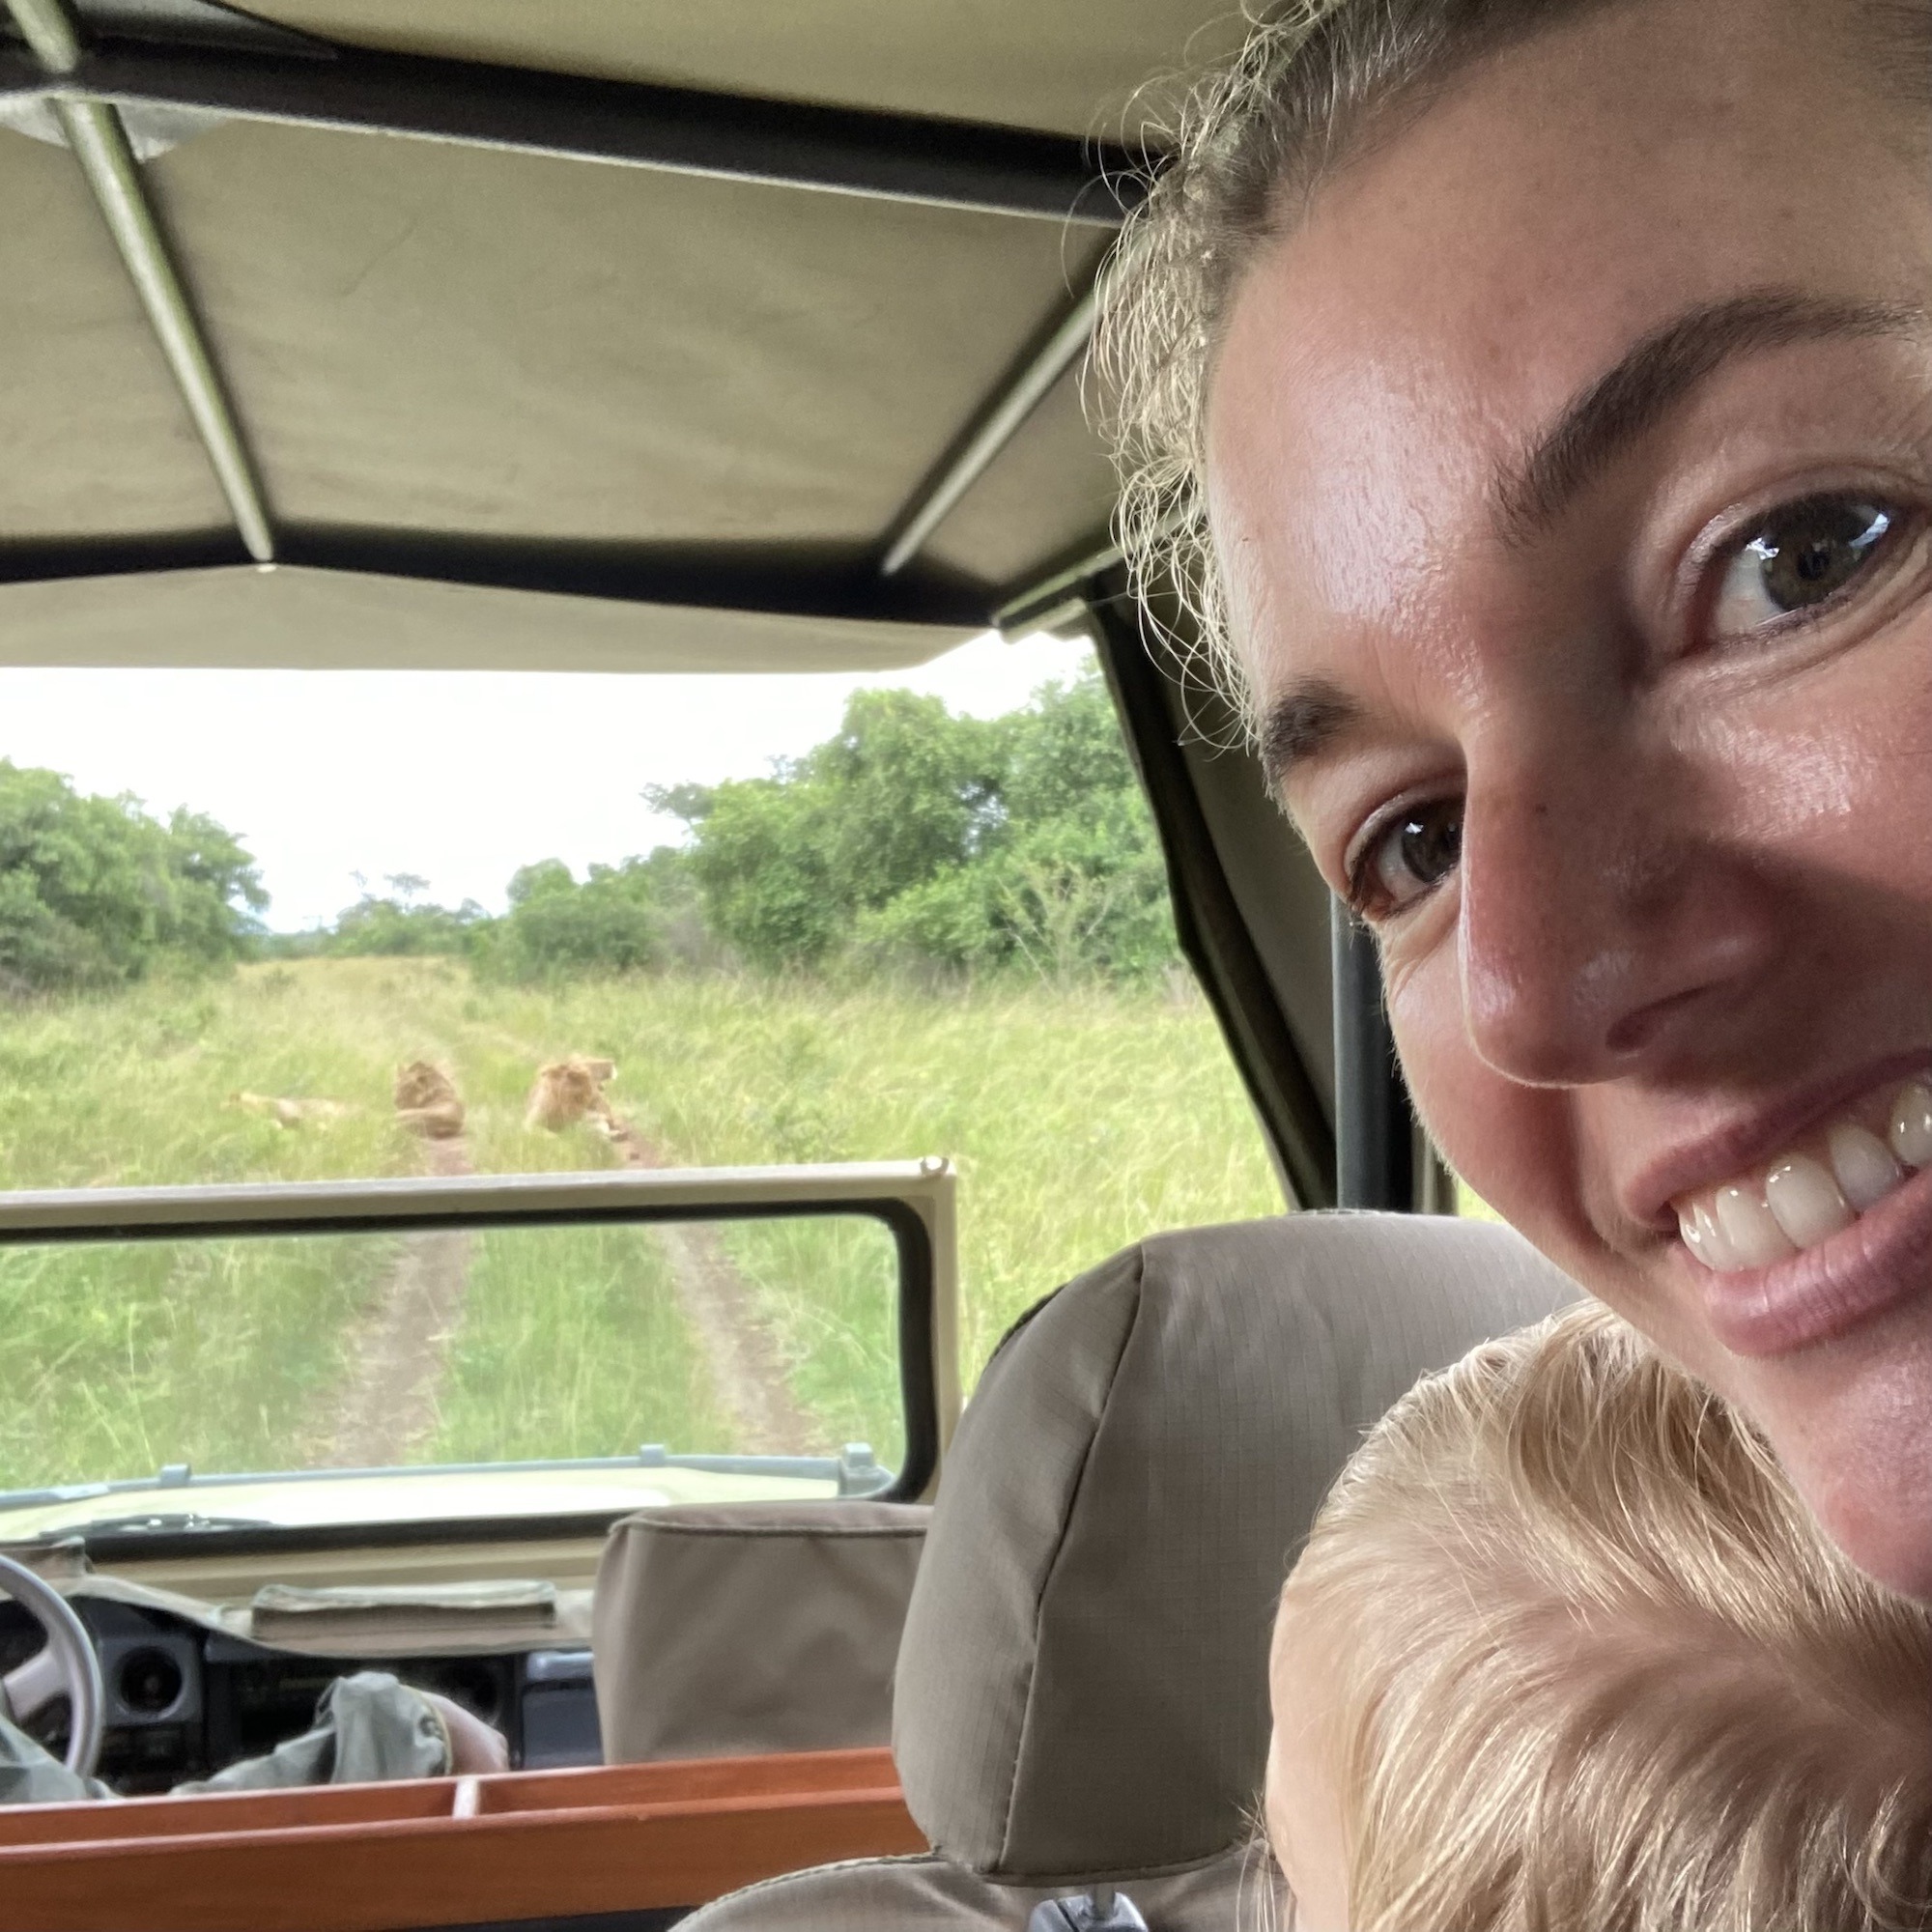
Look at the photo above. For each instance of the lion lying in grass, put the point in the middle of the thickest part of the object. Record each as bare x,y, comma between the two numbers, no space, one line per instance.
569,1091
288,1112
427,1102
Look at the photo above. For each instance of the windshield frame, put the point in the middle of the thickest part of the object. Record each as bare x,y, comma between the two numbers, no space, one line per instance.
914,1200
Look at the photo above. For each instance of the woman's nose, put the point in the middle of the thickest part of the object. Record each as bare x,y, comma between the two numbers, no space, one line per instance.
1600,932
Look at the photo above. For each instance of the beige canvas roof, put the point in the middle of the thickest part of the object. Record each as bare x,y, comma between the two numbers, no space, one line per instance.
591,333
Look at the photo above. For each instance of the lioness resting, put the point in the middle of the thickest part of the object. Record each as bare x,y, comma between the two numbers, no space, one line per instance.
287,1112
569,1091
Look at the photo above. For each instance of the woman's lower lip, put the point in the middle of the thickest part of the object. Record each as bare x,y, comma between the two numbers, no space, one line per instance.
1880,1261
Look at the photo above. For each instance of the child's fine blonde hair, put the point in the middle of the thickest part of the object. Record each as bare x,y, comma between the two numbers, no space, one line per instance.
1596,1670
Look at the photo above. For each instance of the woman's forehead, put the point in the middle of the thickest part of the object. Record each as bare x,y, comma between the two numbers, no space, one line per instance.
1451,290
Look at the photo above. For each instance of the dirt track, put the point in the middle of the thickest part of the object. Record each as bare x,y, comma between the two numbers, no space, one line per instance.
385,1407
745,1370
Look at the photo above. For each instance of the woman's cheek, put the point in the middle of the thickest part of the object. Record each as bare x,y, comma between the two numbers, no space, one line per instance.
1510,1144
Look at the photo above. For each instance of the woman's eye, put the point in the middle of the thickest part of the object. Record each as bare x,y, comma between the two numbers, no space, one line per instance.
1415,850
1799,557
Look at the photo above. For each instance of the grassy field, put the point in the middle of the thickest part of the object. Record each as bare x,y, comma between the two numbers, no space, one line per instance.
571,1343
1080,1118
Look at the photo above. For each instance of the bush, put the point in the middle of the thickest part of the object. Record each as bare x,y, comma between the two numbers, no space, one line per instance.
93,892
764,863
395,928
622,918
970,844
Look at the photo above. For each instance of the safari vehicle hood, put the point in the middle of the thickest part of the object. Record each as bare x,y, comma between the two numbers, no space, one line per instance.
176,1503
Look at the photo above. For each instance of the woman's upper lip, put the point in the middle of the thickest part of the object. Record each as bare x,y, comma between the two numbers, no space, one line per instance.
1747,1134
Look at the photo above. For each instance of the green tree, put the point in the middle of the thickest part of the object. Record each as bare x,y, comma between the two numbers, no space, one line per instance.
1021,841
547,878
556,927
217,908
1081,885
383,926
93,892
765,864
906,790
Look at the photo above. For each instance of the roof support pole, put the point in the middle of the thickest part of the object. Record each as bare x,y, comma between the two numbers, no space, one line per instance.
99,144
1375,1132
998,424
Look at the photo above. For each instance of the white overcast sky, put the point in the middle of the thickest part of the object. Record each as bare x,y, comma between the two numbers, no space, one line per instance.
459,776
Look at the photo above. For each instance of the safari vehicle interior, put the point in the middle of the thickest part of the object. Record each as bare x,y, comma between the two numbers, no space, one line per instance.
655,337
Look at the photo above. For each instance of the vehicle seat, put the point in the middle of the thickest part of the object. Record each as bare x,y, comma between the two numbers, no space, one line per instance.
1081,1698
746,1627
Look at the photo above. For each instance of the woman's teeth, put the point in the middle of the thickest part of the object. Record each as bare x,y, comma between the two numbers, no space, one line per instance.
1812,1192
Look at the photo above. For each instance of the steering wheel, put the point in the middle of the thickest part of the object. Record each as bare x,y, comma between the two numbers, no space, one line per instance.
68,1663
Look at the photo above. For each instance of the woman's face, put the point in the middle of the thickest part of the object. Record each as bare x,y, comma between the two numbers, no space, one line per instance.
1571,467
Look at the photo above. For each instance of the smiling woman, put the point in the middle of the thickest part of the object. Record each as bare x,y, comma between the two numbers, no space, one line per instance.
1532,401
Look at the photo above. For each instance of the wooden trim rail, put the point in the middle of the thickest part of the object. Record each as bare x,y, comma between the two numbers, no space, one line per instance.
446,1852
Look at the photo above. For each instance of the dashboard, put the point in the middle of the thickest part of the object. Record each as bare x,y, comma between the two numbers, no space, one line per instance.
183,1702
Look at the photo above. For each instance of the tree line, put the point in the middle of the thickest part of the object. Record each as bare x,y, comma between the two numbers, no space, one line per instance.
914,836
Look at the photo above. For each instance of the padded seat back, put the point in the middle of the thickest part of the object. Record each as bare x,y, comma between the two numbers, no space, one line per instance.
1082,1692
1082,1684
739,1628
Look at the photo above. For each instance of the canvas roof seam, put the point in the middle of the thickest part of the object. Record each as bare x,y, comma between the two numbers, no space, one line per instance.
99,143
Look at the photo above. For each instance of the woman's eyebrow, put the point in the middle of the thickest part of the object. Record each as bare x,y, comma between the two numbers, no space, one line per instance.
1301,724
1598,424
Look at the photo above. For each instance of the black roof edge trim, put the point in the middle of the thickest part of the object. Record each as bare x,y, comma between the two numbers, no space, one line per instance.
835,582
966,164
48,560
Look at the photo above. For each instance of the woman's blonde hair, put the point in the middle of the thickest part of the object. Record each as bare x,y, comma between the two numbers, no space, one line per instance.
1599,1671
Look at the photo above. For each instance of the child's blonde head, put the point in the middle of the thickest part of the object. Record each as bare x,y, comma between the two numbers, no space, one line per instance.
1588,1666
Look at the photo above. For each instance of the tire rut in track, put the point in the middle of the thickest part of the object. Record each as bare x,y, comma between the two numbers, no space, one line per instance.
718,1303
386,1403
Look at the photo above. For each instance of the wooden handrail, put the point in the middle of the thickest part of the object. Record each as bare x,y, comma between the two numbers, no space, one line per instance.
376,1857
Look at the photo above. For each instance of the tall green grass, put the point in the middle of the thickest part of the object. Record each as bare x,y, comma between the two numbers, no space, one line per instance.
124,1356
120,1358
1081,1117
571,1343
136,1088
827,1291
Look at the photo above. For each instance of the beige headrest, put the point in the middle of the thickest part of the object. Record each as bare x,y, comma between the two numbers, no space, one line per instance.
1081,1689
752,1627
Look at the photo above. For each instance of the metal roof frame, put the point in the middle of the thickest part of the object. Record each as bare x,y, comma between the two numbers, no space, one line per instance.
996,170
92,62
89,66
89,60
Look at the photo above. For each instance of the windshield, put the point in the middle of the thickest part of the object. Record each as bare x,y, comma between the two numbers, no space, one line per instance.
304,926
567,1368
